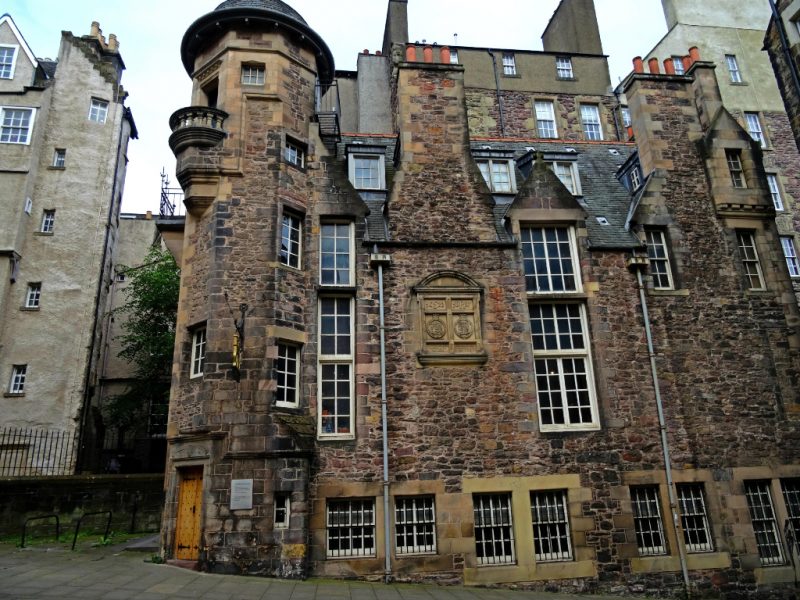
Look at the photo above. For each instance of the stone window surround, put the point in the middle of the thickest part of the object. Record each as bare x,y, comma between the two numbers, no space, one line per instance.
295,152
791,256
351,255
774,185
252,73
292,213
31,122
198,341
336,360
13,64
750,260
407,518
669,270
366,509
288,348
549,106
754,125
571,162
591,117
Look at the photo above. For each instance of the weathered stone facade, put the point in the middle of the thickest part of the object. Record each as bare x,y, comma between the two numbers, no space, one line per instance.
470,317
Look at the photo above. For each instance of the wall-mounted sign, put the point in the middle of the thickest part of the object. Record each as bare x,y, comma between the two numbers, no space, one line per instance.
241,494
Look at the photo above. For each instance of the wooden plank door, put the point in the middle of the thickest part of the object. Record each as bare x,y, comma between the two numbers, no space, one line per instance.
187,529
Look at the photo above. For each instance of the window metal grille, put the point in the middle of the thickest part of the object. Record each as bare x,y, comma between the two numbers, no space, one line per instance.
590,117
647,521
733,68
551,536
6,62
509,63
765,525
546,119
198,352
564,67
790,253
19,373
415,525
98,111
659,259
16,125
754,128
252,75
775,191
694,518
494,531
548,259
791,497
286,375
750,262
335,254
351,528
48,221
497,174
734,158
291,226
33,296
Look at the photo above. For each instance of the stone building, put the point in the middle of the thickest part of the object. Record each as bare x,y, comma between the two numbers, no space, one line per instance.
64,132
781,42
731,35
440,320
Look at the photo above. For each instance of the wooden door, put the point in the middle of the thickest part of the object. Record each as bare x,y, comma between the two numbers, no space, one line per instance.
187,529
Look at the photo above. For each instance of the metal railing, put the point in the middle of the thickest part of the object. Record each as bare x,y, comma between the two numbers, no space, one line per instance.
327,109
36,452
171,198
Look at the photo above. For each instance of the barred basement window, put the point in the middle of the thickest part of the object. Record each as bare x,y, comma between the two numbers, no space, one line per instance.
791,497
660,269
647,521
765,525
750,262
415,525
287,375
494,531
351,528
551,537
694,518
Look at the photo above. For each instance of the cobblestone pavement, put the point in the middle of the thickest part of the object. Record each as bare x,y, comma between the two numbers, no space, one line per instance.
109,573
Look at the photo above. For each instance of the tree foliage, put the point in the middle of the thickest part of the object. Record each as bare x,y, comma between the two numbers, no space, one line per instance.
148,337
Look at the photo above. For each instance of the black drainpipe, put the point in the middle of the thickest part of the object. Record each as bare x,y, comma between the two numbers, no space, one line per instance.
499,97
785,47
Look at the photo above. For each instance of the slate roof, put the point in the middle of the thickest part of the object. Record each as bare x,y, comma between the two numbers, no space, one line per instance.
269,5
48,66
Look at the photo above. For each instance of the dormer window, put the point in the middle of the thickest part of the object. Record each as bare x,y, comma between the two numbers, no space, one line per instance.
366,167
567,172
499,175
8,57
636,179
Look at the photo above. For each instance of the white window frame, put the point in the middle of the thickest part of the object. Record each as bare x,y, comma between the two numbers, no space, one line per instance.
98,110
765,523
328,425
373,164
647,521
352,520
733,68
567,173
775,191
294,154
453,56
19,376
545,119
590,121
677,63
563,269
697,535
415,525
28,205
658,253
253,74
33,295
326,257
748,253
59,158
564,68
493,528
290,252
493,170
11,66
790,254
14,128
733,158
282,510
635,178
551,531
626,117
48,221
287,375
753,121
509,63
198,360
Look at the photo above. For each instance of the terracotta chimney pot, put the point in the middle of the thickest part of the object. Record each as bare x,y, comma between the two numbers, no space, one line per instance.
653,64
411,53
444,55
638,65
427,54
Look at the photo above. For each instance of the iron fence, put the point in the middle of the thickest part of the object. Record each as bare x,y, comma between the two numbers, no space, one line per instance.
36,452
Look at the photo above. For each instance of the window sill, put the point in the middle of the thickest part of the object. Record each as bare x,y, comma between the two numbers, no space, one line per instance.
668,293
301,168
13,395
44,233
327,288
566,78
29,308
742,83
54,168
288,268
333,437
763,292
557,296
510,76
569,428
455,360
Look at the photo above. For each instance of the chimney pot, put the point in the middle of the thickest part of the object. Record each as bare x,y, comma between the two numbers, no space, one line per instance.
113,43
653,64
378,53
366,51
94,30
687,62
694,53
427,54
444,55
638,65
411,53
669,66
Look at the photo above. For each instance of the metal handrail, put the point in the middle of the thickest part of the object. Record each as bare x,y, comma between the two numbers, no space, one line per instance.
90,514
25,525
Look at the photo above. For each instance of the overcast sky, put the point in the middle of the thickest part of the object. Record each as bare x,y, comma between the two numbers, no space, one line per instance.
150,34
